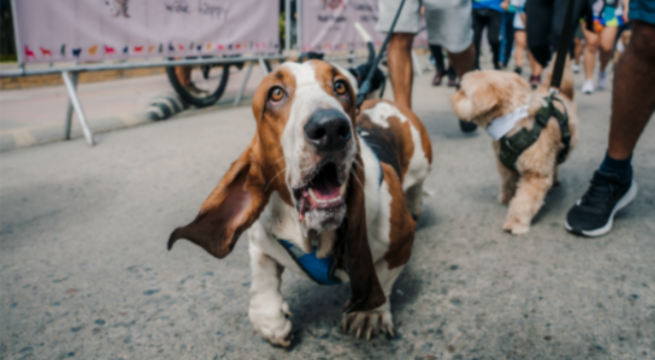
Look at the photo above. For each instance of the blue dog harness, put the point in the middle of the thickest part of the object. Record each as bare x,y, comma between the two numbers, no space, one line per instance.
319,270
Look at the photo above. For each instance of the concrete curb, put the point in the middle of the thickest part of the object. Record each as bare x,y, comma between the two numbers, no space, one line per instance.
165,106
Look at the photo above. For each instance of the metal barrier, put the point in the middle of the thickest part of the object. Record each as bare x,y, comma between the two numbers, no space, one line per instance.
70,74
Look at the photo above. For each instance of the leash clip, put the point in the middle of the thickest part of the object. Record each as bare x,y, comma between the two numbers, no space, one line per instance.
553,91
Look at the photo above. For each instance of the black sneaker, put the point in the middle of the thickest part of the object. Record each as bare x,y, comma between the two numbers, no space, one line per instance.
593,214
467,126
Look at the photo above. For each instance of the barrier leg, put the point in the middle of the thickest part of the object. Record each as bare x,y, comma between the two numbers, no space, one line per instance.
416,64
262,64
72,96
243,84
69,111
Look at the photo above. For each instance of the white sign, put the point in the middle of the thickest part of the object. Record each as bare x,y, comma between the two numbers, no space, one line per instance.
329,25
88,30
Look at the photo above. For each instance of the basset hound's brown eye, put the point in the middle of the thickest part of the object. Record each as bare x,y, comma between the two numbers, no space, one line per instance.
340,87
276,94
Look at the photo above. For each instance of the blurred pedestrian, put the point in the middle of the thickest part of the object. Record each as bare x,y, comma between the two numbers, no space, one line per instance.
608,16
437,54
487,14
633,103
544,26
448,24
521,41
578,38
506,33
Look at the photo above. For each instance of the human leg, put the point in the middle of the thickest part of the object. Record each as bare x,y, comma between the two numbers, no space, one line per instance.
437,54
606,45
508,38
589,61
538,26
399,60
521,42
633,96
479,21
633,103
494,23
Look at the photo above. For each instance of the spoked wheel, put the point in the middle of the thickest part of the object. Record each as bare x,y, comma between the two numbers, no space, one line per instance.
207,82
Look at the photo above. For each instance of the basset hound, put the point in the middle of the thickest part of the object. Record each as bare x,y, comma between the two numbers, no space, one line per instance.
325,192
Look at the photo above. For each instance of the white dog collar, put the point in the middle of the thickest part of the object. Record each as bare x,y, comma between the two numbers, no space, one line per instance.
500,126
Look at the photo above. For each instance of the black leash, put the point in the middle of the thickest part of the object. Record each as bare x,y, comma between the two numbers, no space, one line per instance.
366,85
562,49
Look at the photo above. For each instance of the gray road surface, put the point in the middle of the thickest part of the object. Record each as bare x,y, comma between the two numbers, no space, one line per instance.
84,271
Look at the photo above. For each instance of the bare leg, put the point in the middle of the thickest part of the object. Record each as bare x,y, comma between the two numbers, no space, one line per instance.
535,66
464,61
528,200
633,97
577,50
607,37
591,47
400,67
521,41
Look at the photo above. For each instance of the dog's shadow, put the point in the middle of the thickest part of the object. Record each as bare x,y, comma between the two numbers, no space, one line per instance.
554,199
317,309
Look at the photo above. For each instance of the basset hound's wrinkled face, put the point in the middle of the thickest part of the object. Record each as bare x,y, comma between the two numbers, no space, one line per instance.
305,116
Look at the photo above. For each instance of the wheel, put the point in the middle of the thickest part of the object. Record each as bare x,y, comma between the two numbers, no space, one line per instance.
207,84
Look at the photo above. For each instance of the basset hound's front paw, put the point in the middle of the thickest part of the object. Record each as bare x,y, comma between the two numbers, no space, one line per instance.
370,322
272,323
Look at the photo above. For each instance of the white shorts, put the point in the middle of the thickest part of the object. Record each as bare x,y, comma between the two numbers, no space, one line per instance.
449,22
518,22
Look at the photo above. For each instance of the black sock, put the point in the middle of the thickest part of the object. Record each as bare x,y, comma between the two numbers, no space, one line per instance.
622,168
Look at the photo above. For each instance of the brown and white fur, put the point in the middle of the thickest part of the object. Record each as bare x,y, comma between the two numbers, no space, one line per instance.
487,95
370,231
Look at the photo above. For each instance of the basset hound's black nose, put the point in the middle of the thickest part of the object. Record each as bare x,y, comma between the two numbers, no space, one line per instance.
328,130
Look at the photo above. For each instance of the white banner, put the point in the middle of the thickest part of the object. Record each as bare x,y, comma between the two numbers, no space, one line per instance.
329,25
88,30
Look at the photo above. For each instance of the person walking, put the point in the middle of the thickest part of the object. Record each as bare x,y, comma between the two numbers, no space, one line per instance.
507,34
437,54
545,19
448,24
521,41
487,14
608,16
633,103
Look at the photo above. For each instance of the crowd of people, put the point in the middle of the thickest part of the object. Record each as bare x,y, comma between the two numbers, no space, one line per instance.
535,27
505,24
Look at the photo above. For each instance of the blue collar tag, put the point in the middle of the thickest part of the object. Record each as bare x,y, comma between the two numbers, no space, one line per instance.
319,270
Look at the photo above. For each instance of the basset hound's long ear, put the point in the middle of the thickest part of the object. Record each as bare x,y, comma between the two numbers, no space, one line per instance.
366,292
230,209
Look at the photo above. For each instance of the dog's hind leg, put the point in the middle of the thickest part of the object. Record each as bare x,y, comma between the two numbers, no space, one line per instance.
268,310
529,197
508,180
414,199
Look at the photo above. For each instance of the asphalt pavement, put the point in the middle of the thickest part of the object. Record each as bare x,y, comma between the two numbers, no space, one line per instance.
84,270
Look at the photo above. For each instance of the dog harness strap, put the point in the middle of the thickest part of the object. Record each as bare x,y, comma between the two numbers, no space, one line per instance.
563,120
512,147
319,270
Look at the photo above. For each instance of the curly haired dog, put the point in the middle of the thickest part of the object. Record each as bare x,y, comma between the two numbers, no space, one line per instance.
503,103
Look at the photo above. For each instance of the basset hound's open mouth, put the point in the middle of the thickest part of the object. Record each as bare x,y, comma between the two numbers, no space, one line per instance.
323,192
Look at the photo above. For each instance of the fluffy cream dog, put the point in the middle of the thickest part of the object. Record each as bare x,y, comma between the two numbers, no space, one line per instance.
503,103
